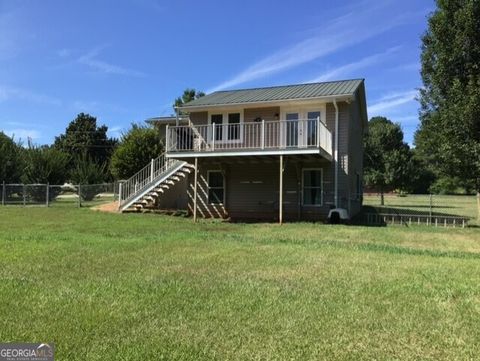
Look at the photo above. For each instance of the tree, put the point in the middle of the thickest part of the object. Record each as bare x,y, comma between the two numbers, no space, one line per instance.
83,136
45,165
387,158
448,137
136,149
187,96
11,162
89,175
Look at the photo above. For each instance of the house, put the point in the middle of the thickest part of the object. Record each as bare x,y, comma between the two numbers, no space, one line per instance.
277,153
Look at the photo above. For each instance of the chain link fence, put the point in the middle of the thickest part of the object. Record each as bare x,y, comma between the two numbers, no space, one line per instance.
67,195
429,209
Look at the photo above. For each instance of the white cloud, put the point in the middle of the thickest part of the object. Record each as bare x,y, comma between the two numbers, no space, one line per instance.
23,134
347,30
90,60
11,93
351,67
391,101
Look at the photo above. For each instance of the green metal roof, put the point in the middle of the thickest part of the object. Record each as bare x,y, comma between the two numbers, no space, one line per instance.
277,93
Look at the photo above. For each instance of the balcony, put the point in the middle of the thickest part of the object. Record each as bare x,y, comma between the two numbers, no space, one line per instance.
306,136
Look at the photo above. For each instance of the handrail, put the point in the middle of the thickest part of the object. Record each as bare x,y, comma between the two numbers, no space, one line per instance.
141,180
278,134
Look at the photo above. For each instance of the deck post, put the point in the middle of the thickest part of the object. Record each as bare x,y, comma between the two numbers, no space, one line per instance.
318,132
280,201
167,135
213,136
263,133
120,186
195,191
152,166
4,192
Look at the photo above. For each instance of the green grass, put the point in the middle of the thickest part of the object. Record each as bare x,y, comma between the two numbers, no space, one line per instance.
138,287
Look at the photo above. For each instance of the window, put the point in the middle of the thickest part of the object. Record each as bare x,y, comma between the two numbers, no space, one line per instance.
233,126
216,187
227,126
312,187
218,120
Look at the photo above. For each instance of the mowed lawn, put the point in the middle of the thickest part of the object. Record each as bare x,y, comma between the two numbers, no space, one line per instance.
148,287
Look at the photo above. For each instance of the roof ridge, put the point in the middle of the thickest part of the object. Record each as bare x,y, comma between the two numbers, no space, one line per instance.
287,85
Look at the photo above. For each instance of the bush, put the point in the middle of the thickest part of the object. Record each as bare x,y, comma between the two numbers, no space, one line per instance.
89,174
137,148
447,185
11,162
45,165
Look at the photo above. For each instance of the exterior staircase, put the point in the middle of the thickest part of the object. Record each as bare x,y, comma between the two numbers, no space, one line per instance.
142,191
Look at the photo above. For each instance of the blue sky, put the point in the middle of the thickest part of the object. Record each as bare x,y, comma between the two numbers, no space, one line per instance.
126,60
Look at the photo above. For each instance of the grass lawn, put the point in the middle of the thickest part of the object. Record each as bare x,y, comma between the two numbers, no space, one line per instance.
139,287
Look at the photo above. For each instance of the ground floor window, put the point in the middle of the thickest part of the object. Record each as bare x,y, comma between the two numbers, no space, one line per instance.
312,187
216,187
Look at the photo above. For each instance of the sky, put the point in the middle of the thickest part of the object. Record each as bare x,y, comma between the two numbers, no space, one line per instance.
124,61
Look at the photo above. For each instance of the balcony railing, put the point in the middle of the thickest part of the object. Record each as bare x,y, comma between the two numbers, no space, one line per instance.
251,136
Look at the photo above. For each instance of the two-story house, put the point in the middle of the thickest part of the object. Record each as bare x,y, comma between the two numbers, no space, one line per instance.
277,153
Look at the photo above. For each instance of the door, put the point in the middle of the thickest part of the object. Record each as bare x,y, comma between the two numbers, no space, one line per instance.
291,129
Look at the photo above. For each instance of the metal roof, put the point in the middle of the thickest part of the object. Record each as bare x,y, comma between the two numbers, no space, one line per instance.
278,93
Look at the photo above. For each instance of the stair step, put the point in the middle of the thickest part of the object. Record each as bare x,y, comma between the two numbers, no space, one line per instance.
186,170
170,182
181,174
188,165
175,178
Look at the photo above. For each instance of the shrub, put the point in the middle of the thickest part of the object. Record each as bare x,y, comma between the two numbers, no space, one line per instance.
137,147
45,165
89,174
447,185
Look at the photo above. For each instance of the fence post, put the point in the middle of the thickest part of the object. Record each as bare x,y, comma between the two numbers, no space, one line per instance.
47,198
4,192
478,208
79,195
24,195
430,208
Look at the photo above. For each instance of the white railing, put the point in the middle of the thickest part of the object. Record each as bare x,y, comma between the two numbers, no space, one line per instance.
141,181
264,135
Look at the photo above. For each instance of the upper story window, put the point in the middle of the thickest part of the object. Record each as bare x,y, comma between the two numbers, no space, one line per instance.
227,126
233,126
312,182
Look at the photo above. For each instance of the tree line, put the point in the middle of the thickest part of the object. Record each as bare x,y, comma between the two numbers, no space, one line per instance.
84,153
446,156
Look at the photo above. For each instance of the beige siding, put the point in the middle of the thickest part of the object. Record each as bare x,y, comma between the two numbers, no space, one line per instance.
252,190
344,119
199,118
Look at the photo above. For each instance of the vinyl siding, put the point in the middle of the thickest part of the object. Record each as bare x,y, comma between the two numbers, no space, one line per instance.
252,190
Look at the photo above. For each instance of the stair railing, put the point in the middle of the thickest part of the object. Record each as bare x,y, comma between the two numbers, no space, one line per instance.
142,180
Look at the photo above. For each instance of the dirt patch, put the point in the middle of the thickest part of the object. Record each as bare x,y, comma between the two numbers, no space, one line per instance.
107,207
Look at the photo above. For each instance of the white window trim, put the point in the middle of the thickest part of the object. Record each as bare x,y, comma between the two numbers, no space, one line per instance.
224,186
321,187
224,123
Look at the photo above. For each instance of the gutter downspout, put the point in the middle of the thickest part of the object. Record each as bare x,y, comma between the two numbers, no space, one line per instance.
335,153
